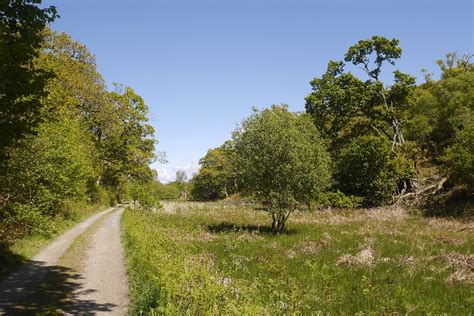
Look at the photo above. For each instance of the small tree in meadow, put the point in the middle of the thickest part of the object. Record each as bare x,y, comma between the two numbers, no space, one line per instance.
282,161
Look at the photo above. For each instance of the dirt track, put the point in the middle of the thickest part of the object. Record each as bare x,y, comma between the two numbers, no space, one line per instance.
100,286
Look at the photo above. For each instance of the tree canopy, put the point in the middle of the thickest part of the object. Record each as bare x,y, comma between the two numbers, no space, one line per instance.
282,161
216,177
21,84
65,138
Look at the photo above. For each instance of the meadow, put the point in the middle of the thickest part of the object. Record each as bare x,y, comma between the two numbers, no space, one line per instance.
221,258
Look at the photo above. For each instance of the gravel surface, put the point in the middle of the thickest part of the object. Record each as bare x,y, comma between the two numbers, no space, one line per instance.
41,286
104,273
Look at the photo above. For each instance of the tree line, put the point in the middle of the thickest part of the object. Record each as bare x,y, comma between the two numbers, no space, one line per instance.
360,142
65,139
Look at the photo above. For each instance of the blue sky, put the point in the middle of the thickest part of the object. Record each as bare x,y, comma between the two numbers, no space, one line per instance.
202,65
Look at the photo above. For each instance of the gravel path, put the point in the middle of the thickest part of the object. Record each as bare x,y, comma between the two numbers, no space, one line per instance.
41,286
104,274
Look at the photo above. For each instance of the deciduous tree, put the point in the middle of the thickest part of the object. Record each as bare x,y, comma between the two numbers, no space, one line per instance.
282,161
21,83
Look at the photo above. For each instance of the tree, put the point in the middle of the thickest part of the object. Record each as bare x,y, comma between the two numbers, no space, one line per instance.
181,177
181,181
216,176
346,108
281,160
165,191
440,109
129,149
143,196
46,170
21,83
76,88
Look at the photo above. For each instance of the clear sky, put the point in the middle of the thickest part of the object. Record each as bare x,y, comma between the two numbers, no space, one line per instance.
202,65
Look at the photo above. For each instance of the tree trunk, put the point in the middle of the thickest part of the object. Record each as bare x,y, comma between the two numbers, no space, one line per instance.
273,222
279,221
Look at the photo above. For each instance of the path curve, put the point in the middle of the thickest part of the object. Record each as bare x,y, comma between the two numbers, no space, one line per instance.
42,286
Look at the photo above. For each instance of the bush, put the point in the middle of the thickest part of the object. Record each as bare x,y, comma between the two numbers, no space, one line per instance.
339,200
25,219
367,167
166,191
458,159
142,196
46,170
100,195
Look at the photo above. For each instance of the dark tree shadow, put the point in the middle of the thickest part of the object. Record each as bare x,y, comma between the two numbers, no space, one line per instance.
227,227
36,288
8,260
455,203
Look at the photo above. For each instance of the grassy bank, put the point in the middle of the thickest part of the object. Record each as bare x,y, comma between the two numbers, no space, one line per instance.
217,258
17,251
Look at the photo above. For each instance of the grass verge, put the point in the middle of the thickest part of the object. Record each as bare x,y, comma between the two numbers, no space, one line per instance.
213,258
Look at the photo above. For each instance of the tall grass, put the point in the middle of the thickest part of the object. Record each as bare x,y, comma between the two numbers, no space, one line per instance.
220,259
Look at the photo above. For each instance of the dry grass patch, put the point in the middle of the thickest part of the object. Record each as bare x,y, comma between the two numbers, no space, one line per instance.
463,266
451,225
365,257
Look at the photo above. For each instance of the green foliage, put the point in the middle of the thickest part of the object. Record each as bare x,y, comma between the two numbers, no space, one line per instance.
77,88
101,195
439,109
116,121
51,167
458,159
129,149
216,177
339,200
337,104
167,191
21,84
142,196
344,106
25,219
282,161
349,111
91,143
367,167
384,49
440,121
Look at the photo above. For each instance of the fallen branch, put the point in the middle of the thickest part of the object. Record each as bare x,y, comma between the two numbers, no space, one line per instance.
418,194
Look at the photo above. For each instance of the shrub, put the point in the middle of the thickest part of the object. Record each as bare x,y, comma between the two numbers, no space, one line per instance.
339,200
367,167
100,195
142,196
458,159
27,219
46,170
166,191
